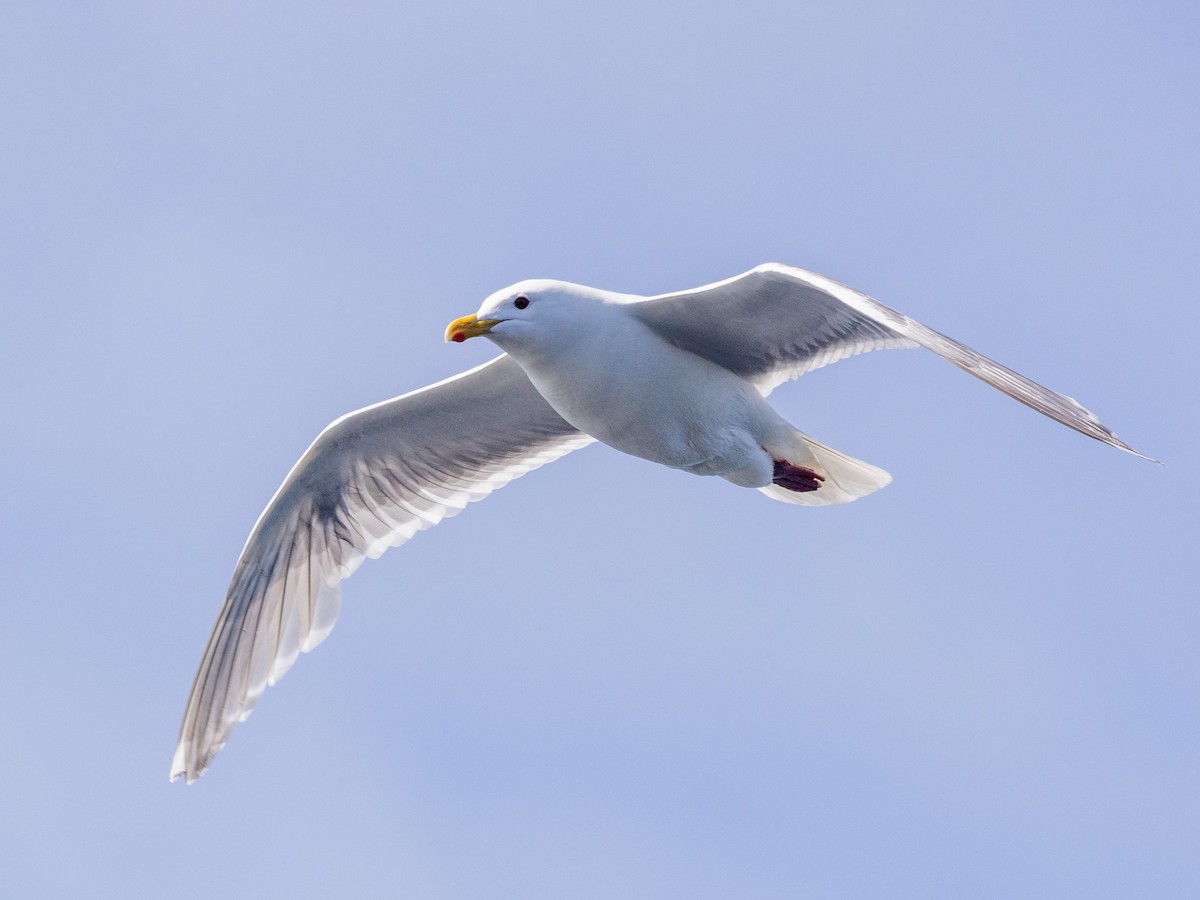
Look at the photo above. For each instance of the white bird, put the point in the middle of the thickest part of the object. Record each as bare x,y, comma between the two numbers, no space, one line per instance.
678,379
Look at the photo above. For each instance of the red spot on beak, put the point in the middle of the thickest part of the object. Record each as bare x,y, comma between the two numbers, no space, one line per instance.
458,337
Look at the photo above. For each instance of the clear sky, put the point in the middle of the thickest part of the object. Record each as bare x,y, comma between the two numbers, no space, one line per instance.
224,224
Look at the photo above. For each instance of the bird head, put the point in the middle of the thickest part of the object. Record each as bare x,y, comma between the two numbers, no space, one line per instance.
533,314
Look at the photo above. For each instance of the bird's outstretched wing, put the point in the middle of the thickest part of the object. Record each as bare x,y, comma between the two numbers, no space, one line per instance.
370,481
777,322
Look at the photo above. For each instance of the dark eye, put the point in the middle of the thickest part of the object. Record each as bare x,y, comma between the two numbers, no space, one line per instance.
521,302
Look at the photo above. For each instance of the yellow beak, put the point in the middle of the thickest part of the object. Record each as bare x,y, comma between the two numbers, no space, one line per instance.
468,327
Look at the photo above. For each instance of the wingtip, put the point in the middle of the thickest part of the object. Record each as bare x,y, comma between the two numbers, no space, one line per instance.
188,777
1113,441
178,761
1139,453
180,768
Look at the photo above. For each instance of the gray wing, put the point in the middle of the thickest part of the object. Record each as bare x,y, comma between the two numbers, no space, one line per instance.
370,481
777,322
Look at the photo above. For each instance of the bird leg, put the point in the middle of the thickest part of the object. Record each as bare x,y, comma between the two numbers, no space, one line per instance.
796,478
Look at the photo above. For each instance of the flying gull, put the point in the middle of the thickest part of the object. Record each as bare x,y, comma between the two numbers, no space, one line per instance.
679,379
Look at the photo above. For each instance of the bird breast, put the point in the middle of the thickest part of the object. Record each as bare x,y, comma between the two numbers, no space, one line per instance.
653,400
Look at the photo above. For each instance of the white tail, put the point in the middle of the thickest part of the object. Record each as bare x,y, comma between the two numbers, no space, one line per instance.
846,478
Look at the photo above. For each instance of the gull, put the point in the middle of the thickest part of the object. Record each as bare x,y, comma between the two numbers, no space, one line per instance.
679,379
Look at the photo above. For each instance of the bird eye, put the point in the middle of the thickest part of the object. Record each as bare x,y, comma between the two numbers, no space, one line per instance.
521,302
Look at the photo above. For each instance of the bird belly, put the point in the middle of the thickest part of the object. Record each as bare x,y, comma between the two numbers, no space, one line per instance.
671,408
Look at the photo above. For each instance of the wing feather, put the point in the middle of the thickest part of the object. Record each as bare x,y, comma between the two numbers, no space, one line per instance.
370,481
778,322
766,328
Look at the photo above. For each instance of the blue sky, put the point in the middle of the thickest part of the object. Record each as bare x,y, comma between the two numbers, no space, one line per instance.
223,225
